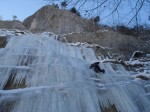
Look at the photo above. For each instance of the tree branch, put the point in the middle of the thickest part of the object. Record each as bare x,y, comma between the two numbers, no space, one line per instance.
113,10
142,2
98,5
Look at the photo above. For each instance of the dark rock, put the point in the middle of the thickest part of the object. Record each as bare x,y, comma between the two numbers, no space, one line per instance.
3,42
138,54
143,77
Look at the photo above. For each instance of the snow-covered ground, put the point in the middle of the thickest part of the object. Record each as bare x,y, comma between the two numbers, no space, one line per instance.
40,74
12,32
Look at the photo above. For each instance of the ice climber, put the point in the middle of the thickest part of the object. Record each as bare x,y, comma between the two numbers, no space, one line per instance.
96,68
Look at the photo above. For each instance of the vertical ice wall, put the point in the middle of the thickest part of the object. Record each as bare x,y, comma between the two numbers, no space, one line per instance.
40,74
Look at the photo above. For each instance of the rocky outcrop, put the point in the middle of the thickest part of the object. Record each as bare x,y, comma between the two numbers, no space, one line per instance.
104,38
58,21
12,25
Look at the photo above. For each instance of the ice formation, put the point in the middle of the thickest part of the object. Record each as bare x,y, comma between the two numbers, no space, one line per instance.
41,74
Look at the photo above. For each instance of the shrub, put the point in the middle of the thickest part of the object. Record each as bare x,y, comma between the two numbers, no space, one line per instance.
55,5
136,31
124,30
95,19
64,4
73,10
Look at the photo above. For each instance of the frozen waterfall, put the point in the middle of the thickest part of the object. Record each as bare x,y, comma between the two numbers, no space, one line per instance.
41,74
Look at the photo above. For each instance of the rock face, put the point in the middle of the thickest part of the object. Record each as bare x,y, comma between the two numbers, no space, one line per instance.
123,44
12,25
58,21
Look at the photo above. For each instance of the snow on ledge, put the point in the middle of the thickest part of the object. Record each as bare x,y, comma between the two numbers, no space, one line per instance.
78,44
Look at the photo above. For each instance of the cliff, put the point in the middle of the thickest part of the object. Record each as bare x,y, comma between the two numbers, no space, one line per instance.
59,21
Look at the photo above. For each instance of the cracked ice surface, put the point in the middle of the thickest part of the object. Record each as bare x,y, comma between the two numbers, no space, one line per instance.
41,74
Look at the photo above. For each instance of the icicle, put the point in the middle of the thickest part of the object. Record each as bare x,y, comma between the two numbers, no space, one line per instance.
41,74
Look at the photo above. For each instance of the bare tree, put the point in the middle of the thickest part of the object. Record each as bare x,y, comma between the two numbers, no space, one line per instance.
110,8
14,17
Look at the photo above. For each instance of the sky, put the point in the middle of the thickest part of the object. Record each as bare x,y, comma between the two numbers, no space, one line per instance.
20,8
24,8
125,12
